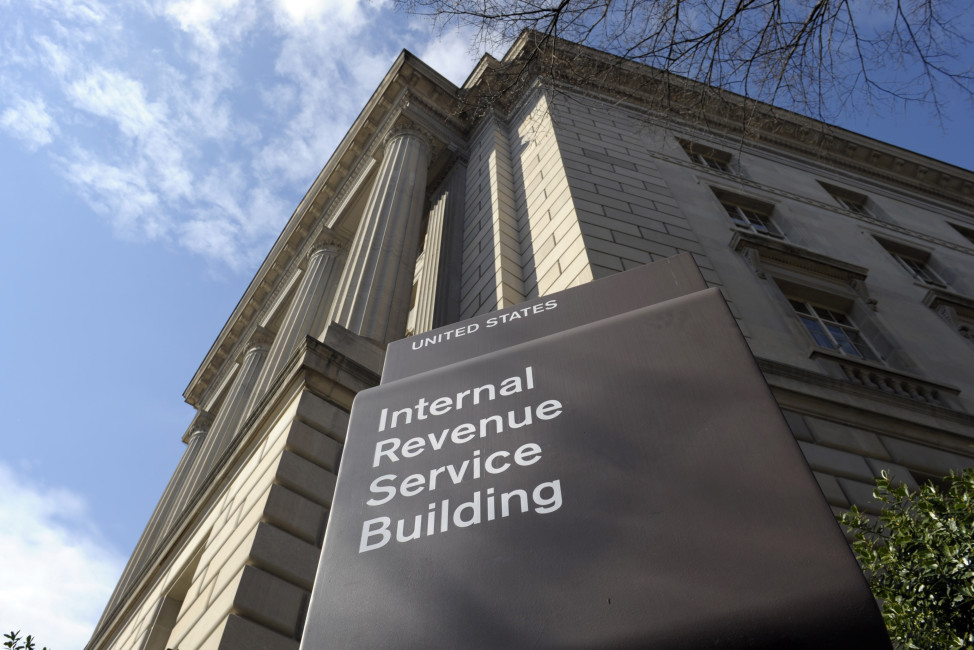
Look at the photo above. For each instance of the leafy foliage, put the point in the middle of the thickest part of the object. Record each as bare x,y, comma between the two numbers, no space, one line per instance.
15,642
919,559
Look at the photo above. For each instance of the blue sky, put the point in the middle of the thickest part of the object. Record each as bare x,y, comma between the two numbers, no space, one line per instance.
150,152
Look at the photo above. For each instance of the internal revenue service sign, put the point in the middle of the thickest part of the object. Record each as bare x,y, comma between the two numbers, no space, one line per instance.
628,482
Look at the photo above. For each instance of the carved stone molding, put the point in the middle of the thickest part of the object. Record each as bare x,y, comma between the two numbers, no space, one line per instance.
260,340
955,310
759,251
327,242
200,425
404,127
896,383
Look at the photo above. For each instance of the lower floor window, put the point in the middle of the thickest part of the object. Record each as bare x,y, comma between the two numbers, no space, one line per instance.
833,330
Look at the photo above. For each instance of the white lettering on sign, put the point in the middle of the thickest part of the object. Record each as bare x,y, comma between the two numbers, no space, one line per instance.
479,466
544,498
501,318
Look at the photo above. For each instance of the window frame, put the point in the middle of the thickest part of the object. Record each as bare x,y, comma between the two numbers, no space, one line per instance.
964,231
917,262
833,330
749,215
920,270
849,201
708,157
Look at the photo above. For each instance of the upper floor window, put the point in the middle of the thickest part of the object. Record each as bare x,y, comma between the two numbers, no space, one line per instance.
707,156
919,269
833,330
917,263
750,214
967,233
851,201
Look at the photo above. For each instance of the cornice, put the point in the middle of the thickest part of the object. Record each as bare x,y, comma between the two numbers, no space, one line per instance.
583,69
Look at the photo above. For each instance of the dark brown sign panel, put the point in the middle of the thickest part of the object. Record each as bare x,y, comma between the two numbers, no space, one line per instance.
616,294
626,483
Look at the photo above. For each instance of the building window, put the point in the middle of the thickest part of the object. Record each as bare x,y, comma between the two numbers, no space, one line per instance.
707,156
833,330
956,310
917,263
967,233
849,200
751,216
919,269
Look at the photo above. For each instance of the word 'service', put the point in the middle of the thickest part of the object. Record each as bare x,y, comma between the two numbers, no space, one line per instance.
485,504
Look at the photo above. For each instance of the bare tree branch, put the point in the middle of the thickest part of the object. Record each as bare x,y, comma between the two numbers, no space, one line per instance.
817,57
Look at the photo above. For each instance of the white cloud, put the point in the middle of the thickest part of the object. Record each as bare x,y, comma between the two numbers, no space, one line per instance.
214,237
58,569
122,193
113,95
213,23
53,56
451,54
29,121
199,122
90,11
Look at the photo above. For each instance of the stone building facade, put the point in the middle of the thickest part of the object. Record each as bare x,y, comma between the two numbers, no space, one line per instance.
848,264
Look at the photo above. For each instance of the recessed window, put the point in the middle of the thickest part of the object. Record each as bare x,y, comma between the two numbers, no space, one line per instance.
919,269
956,310
919,264
707,156
833,330
751,215
967,233
849,200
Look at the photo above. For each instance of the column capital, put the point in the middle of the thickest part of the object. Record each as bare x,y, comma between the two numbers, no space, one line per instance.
404,127
200,425
326,242
260,340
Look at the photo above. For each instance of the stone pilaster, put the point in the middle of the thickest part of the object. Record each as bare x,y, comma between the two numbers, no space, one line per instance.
305,315
378,276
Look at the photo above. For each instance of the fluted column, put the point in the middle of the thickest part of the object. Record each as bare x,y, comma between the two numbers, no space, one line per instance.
155,530
439,281
305,315
194,447
378,277
232,413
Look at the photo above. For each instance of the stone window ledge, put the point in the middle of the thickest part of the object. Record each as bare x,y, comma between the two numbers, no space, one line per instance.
889,381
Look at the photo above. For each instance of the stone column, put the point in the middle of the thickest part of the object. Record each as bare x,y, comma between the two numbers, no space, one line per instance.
378,277
305,315
438,293
155,530
194,446
232,413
